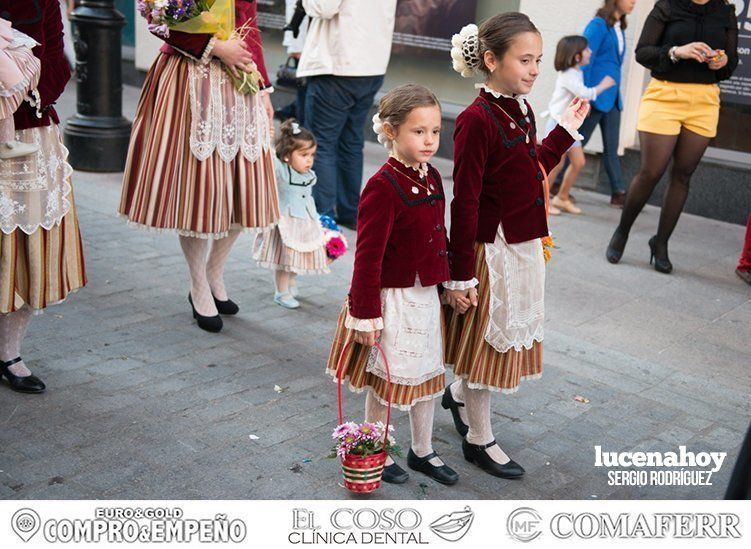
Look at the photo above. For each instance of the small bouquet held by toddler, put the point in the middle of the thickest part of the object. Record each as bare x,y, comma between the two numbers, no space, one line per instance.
215,17
336,244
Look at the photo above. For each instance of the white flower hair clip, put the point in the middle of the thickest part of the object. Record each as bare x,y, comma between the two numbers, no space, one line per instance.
295,128
465,51
380,131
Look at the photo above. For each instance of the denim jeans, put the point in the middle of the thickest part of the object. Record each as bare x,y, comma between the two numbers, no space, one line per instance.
610,127
336,108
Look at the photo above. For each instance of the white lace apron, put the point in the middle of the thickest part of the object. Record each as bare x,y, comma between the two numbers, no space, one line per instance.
222,119
517,293
302,234
411,337
34,189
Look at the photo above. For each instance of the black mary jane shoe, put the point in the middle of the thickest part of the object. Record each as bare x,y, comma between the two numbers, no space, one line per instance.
209,323
28,384
228,307
393,474
441,473
475,453
448,403
662,263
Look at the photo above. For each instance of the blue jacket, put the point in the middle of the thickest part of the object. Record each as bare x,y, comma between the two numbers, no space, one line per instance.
295,191
606,61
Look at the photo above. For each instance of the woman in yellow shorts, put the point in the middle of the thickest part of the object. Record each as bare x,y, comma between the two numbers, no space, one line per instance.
689,46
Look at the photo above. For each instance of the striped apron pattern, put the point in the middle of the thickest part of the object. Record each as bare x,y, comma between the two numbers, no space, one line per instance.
166,188
354,366
473,358
42,268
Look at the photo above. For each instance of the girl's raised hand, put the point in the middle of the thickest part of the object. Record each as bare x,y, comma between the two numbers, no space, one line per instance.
574,115
367,338
234,54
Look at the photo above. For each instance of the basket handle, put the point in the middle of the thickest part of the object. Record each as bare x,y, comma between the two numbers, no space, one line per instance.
340,382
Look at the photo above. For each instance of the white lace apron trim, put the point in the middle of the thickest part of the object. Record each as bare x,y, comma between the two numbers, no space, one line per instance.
301,234
517,293
34,189
411,337
222,119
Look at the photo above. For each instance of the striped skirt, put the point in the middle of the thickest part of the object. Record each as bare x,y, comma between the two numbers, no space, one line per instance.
41,268
166,188
473,358
354,370
271,252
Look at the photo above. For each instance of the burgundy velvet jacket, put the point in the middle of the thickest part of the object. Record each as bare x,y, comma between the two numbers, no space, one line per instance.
497,178
42,20
400,235
194,45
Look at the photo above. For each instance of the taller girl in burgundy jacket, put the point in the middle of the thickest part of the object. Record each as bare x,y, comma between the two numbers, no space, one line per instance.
41,255
200,162
498,218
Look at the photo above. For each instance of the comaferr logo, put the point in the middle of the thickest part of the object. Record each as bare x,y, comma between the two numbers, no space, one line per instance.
641,525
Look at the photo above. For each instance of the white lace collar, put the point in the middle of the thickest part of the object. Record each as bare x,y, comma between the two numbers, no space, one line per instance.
422,169
518,98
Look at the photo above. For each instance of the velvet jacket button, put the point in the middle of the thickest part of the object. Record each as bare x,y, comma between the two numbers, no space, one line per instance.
532,153
441,253
539,176
539,201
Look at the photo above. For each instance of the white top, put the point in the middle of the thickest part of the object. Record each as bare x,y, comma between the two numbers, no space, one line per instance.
294,45
621,40
568,85
348,37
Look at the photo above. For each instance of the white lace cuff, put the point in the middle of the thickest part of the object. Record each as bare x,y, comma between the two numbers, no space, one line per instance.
571,131
363,324
208,52
269,89
460,284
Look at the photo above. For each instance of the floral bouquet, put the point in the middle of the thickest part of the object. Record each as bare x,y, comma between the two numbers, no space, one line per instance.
362,449
336,244
215,17
547,245
327,222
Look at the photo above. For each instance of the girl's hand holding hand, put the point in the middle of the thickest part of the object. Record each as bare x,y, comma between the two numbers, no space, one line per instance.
235,55
461,300
574,115
367,338
698,51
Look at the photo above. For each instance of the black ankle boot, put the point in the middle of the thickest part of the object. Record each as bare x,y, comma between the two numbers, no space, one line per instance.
209,323
448,403
27,384
661,261
476,454
615,247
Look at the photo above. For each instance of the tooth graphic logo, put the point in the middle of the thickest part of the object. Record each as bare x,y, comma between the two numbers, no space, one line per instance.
25,523
454,526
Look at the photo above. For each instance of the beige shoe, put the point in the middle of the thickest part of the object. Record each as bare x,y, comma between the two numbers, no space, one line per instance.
15,149
565,205
552,210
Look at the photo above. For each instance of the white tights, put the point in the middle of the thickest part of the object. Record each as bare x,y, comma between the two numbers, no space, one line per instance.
12,332
420,422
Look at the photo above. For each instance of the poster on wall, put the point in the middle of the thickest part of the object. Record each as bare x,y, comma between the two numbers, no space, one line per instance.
422,26
737,90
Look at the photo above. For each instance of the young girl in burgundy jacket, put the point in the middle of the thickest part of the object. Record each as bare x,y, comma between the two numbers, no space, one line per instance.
498,218
400,260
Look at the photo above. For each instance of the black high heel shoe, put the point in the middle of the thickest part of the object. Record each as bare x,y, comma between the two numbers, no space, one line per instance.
615,248
228,307
662,264
27,384
475,453
209,323
393,474
440,473
448,403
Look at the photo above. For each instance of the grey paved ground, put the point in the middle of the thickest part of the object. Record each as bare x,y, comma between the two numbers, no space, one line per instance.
142,404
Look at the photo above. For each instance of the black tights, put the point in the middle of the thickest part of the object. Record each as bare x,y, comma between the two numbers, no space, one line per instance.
686,150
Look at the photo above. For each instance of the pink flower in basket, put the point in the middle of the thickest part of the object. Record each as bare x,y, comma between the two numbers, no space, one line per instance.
336,244
362,439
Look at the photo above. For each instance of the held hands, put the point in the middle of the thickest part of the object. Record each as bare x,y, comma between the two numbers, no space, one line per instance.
367,338
235,55
461,300
574,115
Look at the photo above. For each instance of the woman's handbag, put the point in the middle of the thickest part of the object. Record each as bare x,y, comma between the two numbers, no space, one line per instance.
286,74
